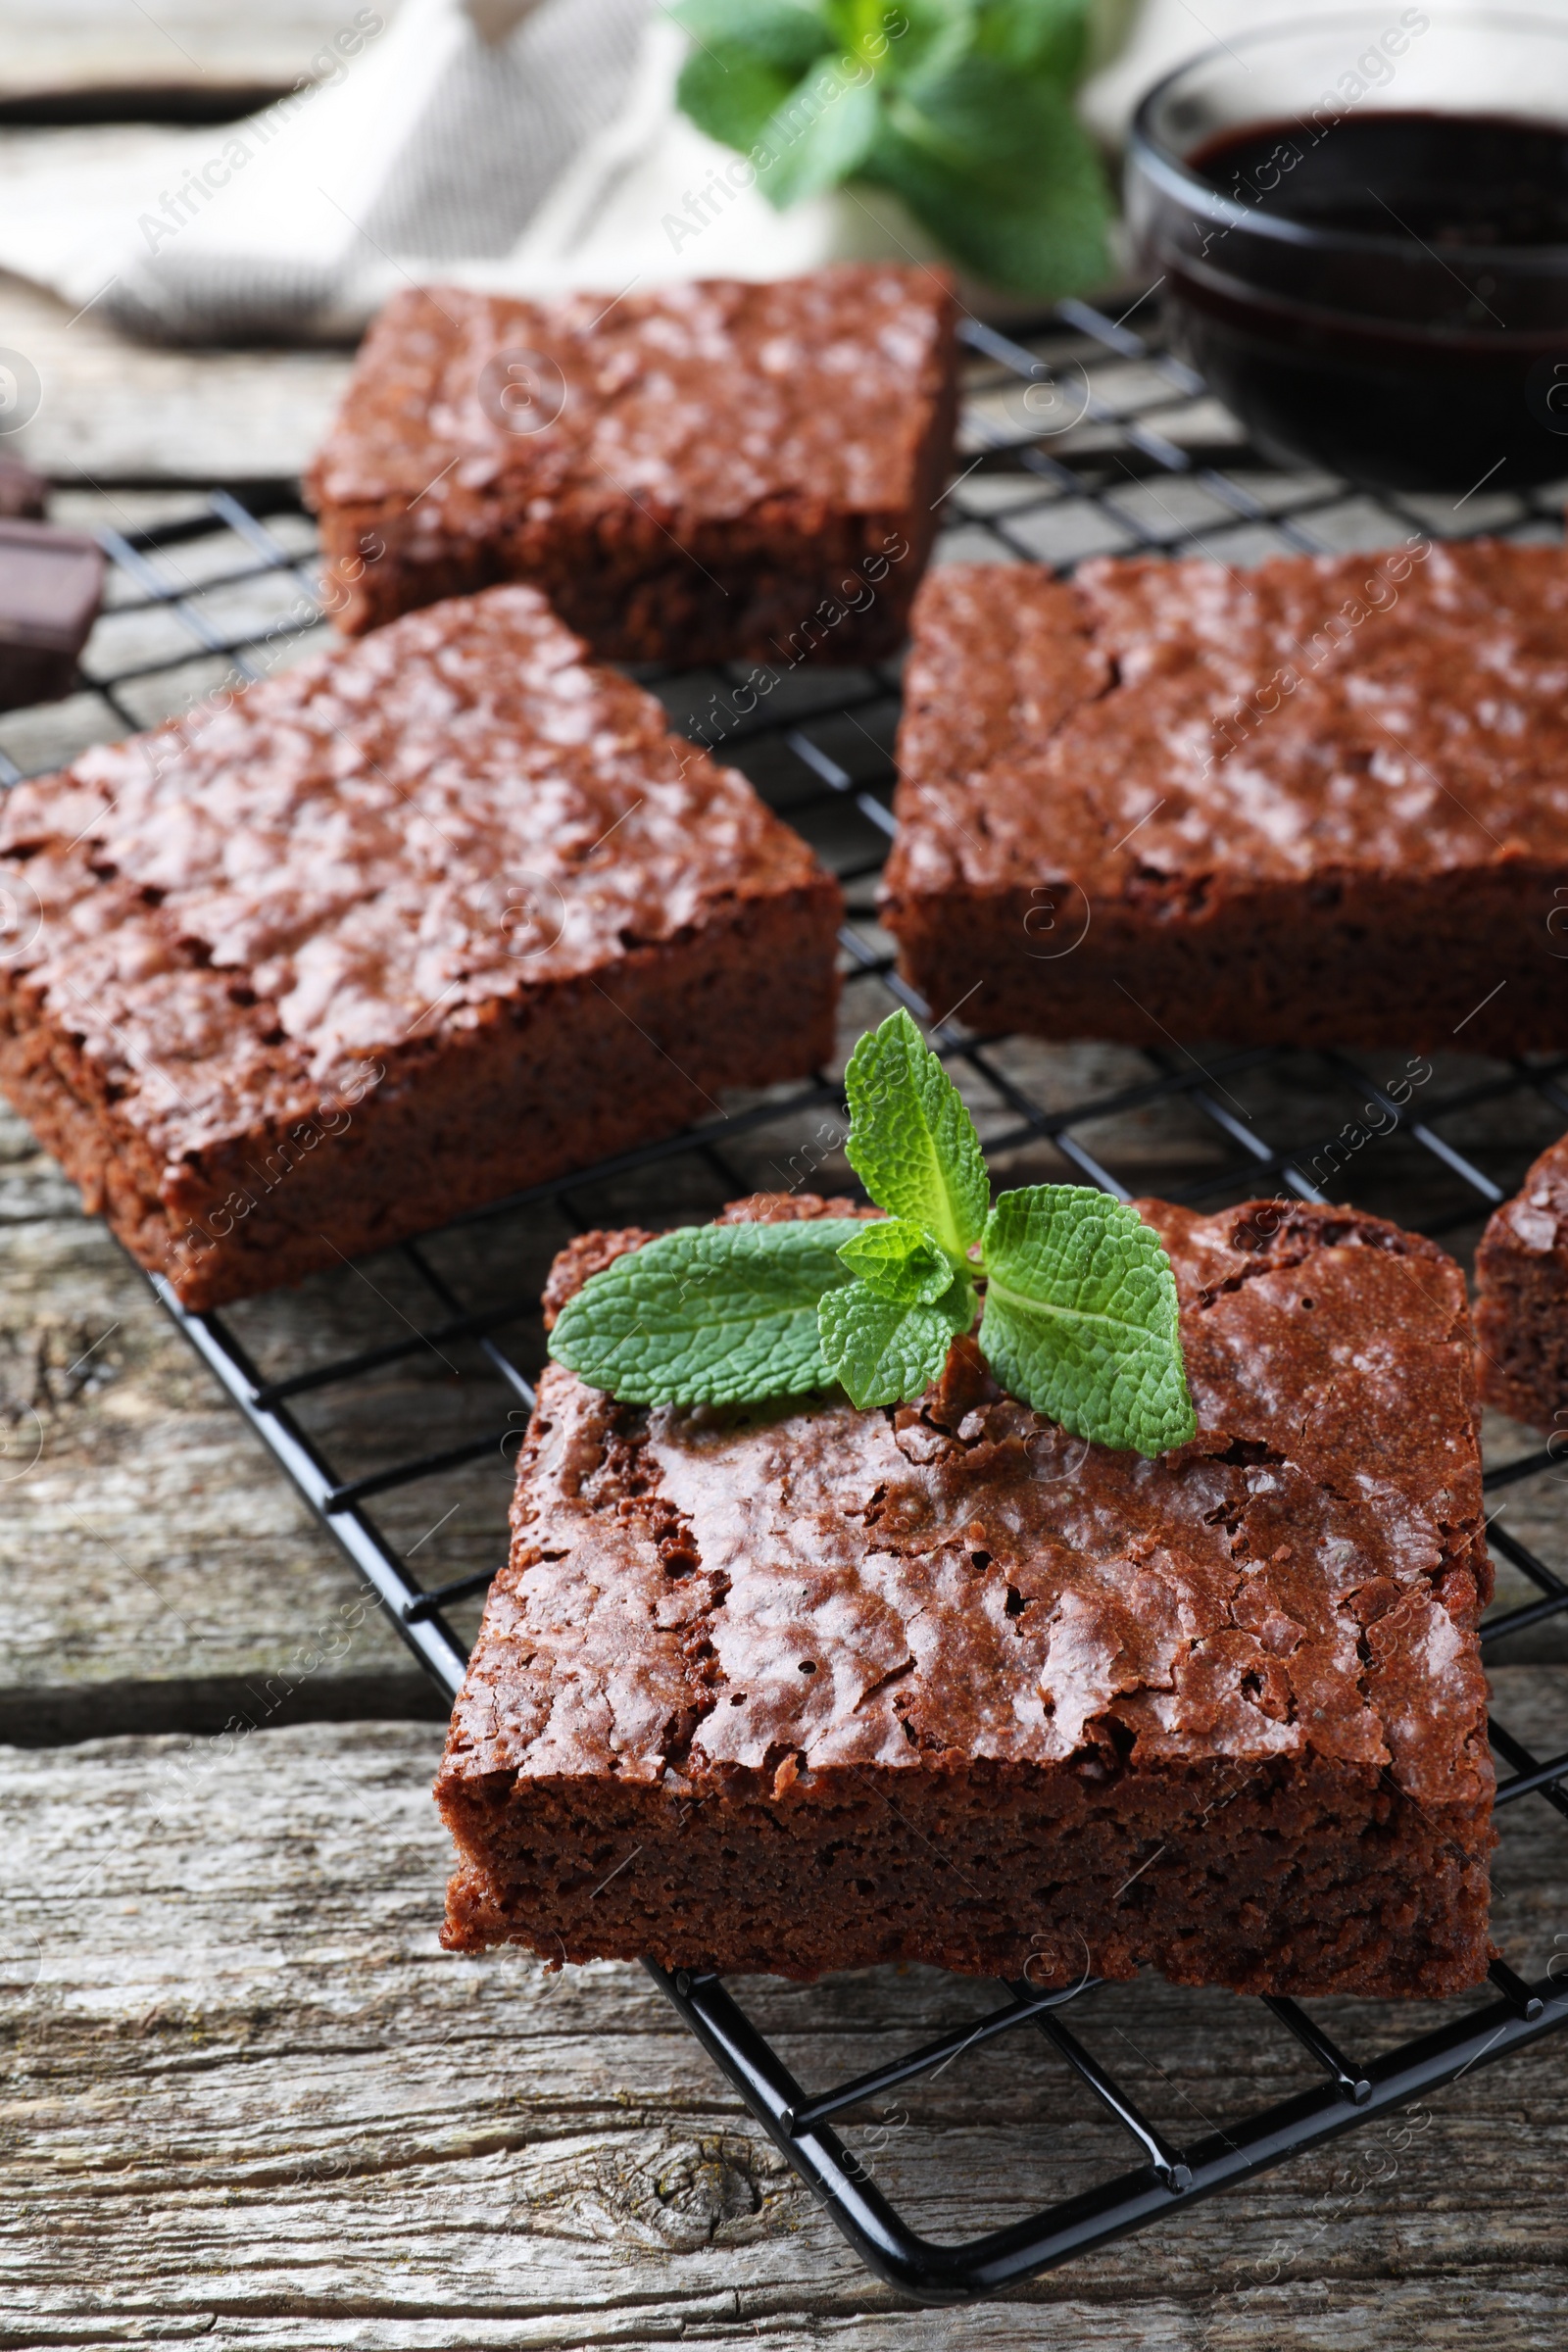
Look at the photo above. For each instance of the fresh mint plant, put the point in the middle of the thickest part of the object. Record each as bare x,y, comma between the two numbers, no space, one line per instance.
1080,1301
963,108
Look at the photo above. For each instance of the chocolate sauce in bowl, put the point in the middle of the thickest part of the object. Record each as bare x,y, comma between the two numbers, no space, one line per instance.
1386,294
1451,180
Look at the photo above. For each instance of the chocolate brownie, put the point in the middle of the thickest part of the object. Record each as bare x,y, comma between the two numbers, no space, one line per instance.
797,1687
1522,1297
692,473
1321,802
432,917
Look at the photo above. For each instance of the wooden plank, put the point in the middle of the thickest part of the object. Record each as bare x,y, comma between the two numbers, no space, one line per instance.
248,2098
155,1568
114,410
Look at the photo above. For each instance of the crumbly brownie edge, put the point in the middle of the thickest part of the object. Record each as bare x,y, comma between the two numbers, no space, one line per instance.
1283,1879
1364,961
376,565
272,1205
784,587
102,1155
1522,1335
1522,1308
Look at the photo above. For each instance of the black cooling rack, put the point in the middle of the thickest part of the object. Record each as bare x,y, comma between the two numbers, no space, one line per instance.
1080,438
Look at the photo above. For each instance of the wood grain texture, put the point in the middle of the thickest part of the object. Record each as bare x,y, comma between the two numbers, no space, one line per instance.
114,410
248,2099
156,1571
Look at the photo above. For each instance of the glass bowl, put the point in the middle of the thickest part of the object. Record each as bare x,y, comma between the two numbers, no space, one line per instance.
1361,229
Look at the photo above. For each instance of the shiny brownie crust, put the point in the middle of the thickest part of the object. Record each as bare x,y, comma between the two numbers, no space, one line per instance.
796,1689
431,918
693,473
1320,803
1522,1297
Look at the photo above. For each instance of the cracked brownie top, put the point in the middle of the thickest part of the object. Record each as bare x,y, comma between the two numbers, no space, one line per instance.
706,400
1157,728
364,856
772,1592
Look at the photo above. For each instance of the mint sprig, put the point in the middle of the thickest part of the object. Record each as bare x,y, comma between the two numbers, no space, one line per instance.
963,108
881,1350
1080,1313
912,1141
710,1315
887,1335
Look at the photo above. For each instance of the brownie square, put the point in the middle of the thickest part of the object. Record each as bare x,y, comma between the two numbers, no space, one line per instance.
691,473
1522,1297
1321,802
430,918
797,1687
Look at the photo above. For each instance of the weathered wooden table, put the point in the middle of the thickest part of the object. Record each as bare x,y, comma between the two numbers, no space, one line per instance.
247,2099
247,2096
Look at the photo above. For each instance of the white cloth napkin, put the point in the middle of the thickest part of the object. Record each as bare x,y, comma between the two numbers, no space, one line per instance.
523,145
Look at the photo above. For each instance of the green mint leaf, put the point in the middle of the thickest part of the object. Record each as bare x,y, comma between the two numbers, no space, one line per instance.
899,1262
819,134
905,38
730,94
885,1349
912,1141
961,107
1080,1317
1042,36
940,34
781,32
711,1314
994,165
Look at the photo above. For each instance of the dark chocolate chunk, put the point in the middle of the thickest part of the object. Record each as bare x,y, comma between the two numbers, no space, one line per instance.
21,491
51,584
